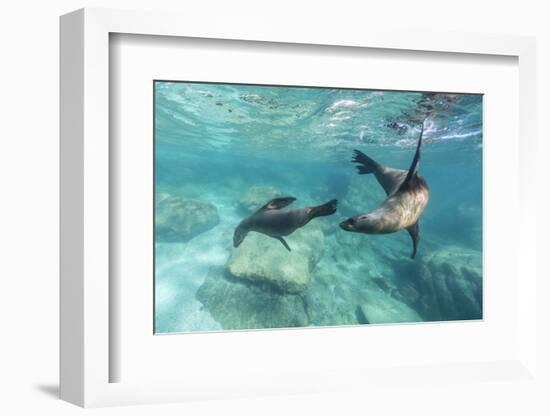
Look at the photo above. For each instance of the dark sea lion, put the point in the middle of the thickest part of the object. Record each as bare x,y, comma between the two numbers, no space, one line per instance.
272,221
407,193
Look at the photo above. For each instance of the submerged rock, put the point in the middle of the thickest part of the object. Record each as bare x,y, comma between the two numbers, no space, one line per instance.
380,308
451,285
179,220
237,304
353,270
264,259
256,196
329,302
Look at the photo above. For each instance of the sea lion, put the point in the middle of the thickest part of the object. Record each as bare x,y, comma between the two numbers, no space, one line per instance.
272,221
407,193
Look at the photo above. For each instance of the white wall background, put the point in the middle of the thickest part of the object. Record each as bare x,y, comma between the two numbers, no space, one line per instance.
29,56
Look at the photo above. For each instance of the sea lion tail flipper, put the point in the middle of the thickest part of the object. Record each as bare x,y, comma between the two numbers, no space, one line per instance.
414,232
278,203
328,208
283,242
365,164
416,160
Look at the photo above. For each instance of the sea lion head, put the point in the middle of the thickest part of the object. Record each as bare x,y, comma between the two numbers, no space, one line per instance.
239,236
364,223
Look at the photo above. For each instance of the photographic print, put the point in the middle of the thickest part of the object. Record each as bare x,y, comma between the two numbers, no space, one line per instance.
290,206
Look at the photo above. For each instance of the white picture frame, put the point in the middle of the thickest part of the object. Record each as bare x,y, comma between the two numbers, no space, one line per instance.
85,220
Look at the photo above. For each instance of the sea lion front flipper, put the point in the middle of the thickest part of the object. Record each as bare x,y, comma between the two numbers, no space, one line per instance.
278,203
283,242
412,173
414,232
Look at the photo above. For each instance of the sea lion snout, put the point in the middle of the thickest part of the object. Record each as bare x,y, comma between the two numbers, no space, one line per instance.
360,224
348,225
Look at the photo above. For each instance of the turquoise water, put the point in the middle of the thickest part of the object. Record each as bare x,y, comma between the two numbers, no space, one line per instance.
222,151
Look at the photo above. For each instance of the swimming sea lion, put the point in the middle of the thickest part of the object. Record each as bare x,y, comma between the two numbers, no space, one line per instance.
272,221
408,195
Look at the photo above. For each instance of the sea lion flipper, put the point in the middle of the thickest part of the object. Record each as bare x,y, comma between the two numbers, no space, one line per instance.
414,232
365,164
283,242
278,203
412,173
327,208
388,178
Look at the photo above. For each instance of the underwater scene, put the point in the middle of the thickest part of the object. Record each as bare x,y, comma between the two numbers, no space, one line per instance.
280,207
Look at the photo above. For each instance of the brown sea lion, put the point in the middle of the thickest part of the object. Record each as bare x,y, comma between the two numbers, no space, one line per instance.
272,221
407,193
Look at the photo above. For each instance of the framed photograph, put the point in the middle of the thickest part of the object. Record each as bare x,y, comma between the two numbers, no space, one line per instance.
230,159
278,213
